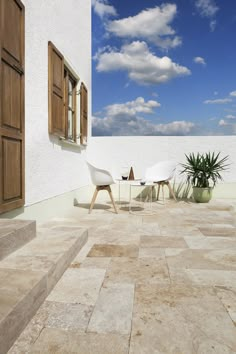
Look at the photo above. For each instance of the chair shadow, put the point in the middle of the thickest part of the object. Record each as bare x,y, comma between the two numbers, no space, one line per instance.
96,206
136,208
119,203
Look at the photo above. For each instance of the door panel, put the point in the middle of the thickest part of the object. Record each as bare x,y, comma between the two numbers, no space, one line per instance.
12,28
12,169
11,97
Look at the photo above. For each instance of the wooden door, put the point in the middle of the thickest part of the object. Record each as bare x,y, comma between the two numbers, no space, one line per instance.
11,104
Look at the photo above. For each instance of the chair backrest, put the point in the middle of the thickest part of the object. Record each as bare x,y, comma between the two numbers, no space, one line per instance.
162,171
100,177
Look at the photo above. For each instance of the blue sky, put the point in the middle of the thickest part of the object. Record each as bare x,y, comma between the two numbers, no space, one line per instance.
164,68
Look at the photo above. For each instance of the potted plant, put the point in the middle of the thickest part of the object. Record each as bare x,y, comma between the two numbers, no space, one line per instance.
203,171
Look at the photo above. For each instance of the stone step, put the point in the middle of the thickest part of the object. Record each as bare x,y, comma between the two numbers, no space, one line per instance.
15,234
29,274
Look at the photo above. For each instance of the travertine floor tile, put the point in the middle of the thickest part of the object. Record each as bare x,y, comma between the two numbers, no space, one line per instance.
140,270
78,286
201,259
54,245
162,242
93,262
203,277
218,230
228,298
180,231
55,341
107,250
180,320
153,252
117,237
68,316
27,262
211,242
151,229
113,310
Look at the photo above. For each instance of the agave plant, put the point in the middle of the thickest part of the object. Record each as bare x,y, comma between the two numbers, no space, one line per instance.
204,170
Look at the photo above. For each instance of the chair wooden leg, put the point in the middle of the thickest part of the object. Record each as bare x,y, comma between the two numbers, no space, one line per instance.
93,199
171,191
158,191
112,200
163,196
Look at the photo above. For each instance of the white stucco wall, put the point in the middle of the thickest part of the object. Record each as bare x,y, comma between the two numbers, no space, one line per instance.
142,152
50,168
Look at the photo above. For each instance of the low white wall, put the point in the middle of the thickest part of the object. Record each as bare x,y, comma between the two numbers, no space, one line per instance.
52,169
142,152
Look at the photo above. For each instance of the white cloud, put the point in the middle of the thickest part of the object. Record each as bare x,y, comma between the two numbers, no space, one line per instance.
233,93
213,25
230,116
222,122
208,9
199,60
228,126
132,107
175,128
151,24
125,119
143,67
130,126
102,8
218,101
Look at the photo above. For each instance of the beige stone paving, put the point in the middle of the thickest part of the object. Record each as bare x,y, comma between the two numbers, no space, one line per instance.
68,342
78,286
164,283
108,250
162,242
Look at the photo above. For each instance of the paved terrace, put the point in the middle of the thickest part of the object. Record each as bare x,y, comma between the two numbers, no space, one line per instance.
144,284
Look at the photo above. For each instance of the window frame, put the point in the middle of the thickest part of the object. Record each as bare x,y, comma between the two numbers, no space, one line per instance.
80,100
68,76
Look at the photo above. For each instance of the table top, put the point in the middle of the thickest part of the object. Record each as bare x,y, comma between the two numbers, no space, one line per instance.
128,180
138,184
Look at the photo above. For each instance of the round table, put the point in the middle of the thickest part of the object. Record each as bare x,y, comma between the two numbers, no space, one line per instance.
144,198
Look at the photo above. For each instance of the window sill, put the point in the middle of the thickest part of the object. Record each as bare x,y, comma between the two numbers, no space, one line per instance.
69,142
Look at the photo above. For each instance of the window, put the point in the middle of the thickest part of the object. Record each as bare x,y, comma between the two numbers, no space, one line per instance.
63,91
70,105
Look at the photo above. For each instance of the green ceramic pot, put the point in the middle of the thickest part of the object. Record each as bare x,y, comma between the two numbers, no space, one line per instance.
202,195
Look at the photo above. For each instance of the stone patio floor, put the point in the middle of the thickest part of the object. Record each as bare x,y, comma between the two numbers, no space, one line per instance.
164,283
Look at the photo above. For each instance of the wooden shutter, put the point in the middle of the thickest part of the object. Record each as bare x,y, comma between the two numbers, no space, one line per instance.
56,120
12,37
83,113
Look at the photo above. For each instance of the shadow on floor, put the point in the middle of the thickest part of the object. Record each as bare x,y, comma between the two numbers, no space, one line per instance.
96,206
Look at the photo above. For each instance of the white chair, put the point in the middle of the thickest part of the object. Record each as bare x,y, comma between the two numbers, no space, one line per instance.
161,173
102,179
